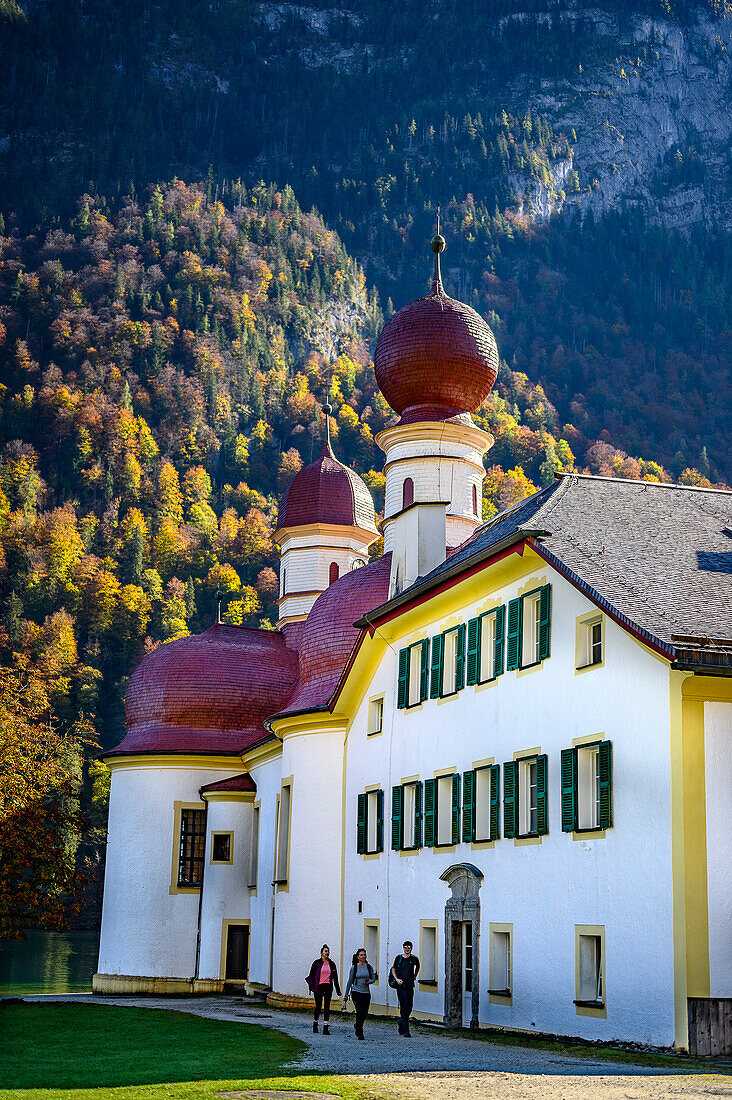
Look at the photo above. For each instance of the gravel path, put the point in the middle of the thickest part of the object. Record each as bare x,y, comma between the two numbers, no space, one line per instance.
440,1065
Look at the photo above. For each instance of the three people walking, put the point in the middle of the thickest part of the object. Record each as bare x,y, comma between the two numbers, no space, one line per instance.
404,973
322,978
361,975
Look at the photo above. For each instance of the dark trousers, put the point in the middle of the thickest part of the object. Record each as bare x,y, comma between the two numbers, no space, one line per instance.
323,994
361,1002
405,993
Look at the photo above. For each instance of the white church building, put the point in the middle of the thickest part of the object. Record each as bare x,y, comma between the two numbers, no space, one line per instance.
508,742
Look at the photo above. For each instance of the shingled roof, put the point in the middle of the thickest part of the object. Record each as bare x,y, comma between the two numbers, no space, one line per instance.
657,556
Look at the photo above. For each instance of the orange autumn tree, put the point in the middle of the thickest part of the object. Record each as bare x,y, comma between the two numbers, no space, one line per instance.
40,820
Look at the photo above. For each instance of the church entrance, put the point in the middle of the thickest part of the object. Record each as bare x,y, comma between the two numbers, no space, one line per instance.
462,944
237,952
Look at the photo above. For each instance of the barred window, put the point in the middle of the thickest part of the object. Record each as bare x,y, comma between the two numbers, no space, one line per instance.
192,844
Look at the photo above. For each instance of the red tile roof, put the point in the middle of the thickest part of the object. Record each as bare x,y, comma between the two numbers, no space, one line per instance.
436,351
329,635
209,693
326,491
243,782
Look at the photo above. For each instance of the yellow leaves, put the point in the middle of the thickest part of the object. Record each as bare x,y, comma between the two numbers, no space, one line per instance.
170,499
244,608
264,278
224,577
245,315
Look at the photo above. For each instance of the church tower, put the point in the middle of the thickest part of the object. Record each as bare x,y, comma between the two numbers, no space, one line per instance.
436,361
325,525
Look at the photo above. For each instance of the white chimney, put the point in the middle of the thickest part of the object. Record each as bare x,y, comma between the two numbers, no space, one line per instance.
417,543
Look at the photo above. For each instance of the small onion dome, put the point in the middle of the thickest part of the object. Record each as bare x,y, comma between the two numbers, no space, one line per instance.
209,693
328,634
436,352
326,491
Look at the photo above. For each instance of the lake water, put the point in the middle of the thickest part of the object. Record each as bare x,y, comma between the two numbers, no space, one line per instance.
49,962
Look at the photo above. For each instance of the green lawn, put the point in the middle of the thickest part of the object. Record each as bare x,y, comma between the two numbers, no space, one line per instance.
47,1050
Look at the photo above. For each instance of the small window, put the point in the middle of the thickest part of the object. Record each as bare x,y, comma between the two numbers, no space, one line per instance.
357,563
530,641
528,635
587,787
284,582
254,849
283,833
486,803
525,803
191,851
413,674
370,823
407,492
590,643
221,847
444,791
371,943
487,647
409,815
475,500
590,978
449,662
500,963
334,572
528,806
376,715
428,954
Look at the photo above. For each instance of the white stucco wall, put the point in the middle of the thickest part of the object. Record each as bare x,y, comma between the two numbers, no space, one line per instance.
147,930
261,899
622,881
308,909
225,889
718,781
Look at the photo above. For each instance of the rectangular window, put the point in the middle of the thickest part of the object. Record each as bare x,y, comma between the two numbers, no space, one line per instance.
529,618
449,661
487,647
590,967
415,695
371,943
371,822
409,815
406,816
192,845
525,799
413,674
590,641
254,849
428,952
444,809
500,962
221,847
376,715
486,803
587,787
283,834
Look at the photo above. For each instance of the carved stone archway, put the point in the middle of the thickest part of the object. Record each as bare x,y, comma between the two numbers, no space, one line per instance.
464,880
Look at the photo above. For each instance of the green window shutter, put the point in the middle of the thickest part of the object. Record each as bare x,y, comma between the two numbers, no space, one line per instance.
569,790
430,790
495,801
500,635
403,678
424,671
473,651
515,616
379,821
542,795
606,784
456,808
361,825
545,613
396,818
460,658
510,784
436,671
468,806
418,815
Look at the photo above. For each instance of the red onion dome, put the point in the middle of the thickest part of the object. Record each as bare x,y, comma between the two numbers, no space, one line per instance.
436,352
326,491
209,693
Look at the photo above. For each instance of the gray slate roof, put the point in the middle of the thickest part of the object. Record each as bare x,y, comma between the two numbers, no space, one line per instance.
660,555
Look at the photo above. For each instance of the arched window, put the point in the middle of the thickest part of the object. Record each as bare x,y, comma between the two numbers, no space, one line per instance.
407,492
284,582
475,500
334,571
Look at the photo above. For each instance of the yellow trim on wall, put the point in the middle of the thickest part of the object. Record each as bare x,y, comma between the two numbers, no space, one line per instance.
222,862
600,1013
142,761
282,886
261,754
494,999
527,754
695,849
256,815
580,640
589,739
228,796
373,921
428,986
178,808
224,938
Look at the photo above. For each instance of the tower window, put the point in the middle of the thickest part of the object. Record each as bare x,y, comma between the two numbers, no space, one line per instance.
407,492
334,572
475,501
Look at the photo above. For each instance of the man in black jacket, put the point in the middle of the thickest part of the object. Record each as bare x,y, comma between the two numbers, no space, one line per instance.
404,972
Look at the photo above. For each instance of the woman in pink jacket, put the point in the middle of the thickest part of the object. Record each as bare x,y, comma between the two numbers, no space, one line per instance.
321,979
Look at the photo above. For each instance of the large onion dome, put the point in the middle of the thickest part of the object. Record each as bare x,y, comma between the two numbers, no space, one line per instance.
436,353
326,491
209,693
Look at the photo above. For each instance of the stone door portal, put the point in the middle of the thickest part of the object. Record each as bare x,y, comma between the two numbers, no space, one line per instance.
462,945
